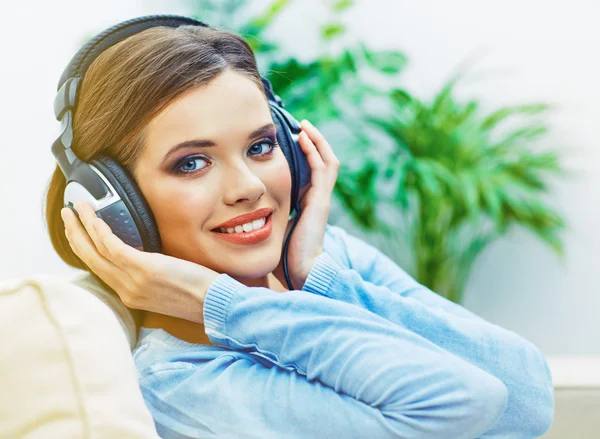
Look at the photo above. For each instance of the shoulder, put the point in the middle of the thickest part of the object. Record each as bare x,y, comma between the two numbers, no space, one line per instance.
127,317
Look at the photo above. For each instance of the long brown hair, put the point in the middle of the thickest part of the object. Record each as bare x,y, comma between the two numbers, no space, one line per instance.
128,85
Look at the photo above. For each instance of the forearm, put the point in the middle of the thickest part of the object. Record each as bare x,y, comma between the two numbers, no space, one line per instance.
355,352
502,353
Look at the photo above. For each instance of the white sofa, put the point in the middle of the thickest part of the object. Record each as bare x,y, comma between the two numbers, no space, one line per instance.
66,369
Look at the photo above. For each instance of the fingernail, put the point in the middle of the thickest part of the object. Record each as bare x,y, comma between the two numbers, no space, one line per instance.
63,214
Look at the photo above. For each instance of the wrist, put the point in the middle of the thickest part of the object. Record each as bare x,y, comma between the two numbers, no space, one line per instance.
322,274
300,280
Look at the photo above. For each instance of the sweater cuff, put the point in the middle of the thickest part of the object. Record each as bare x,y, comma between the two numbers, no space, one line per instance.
323,272
217,303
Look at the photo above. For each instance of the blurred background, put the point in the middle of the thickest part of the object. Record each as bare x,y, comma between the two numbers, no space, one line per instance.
467,133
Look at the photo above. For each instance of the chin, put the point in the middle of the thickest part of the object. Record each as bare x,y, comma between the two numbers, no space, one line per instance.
254,268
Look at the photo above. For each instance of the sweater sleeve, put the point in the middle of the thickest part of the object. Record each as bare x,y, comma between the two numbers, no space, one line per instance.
375,267
401,300
315,367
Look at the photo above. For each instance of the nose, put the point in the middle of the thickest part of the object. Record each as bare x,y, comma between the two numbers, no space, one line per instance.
241,185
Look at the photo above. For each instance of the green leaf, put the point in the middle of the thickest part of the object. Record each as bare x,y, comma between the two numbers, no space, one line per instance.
546,161
514,209
491,202
543,217
401,195
356,193
502,114
365,178
400,97
443,100
329,74
389,127
260,46
445,176
468,186
290,73
340,5
332,30
552,239
386,61
347,61
426,178
266,19
468,255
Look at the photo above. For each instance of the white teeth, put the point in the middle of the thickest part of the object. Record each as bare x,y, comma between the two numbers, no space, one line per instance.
248,227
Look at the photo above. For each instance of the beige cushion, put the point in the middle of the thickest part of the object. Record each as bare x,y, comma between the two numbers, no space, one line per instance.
66,369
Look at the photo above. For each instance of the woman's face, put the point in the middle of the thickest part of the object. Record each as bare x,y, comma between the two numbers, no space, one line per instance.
192,188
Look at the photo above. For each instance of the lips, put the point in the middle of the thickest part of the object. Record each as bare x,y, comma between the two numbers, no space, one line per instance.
246,218
248,238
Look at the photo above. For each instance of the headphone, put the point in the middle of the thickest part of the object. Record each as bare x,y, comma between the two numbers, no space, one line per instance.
108,187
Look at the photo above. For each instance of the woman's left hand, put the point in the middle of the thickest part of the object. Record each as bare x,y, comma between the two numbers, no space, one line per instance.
306,243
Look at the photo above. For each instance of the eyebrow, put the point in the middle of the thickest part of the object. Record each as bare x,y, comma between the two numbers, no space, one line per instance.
269,128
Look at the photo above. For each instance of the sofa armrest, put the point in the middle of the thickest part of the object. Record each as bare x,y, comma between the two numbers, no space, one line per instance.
66,368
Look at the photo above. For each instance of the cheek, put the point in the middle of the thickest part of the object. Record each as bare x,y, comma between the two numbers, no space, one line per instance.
177,205
180,212
280,182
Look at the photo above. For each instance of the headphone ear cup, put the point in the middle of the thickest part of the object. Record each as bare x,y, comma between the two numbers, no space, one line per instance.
288,130
132,212
287,145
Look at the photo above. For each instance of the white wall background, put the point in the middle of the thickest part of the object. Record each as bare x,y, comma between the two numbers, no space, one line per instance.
532,49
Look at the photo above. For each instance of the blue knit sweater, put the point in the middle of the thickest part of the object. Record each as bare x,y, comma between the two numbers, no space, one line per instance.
362,351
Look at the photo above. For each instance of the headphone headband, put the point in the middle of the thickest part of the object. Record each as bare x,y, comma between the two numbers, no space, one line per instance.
68,84
114,34
77,67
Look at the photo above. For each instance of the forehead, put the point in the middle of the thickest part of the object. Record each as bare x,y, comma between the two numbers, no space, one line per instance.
226,109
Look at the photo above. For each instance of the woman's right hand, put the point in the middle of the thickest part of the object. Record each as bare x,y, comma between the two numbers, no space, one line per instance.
148,281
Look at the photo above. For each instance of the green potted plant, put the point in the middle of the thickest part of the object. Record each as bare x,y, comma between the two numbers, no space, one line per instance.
463,178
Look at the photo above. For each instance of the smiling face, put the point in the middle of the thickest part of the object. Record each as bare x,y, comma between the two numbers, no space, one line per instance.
234,167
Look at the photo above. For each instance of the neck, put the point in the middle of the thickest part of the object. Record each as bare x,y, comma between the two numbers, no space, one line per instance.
193,332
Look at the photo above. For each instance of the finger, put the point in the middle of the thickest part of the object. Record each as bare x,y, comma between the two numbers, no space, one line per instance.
72,232
320,142
323,175
312,154
72,244
119,253
114,276
84,248
321,178
108,244
87,215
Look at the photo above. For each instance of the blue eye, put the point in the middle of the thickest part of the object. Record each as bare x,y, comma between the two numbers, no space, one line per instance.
271,145
190,165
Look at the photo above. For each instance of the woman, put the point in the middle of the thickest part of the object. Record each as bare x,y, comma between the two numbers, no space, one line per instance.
357,349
